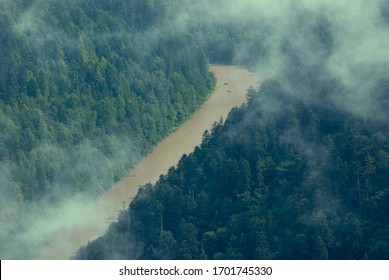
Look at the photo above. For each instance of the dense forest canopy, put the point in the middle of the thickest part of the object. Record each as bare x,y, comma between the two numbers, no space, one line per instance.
88,87
303,184
301,172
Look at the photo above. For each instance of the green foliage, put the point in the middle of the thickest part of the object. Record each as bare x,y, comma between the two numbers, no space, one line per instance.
77,83
86,89
270,184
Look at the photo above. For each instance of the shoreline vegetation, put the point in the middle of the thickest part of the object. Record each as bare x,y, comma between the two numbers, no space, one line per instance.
165,155
89,88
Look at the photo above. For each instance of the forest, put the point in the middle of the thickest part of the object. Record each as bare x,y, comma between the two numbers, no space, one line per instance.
89,87
300,172
310,183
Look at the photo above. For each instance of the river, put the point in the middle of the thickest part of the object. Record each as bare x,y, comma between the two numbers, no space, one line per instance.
230,91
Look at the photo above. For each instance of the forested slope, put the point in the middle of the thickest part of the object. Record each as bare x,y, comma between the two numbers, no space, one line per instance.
301,171
307,183
86,89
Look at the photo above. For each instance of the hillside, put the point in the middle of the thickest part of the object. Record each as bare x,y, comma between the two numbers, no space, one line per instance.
87,88
306,183
301,172
95,220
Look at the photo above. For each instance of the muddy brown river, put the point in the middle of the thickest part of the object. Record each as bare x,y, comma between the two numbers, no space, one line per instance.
230,91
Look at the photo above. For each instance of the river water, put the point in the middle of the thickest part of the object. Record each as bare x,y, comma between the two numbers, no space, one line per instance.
230,91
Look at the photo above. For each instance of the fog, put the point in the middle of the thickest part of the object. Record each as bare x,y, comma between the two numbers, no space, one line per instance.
307,48
29,226
346,41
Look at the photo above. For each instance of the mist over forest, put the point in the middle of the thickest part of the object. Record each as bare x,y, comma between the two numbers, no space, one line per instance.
87,88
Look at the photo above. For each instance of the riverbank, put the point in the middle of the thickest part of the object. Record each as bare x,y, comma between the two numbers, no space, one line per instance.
230,91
